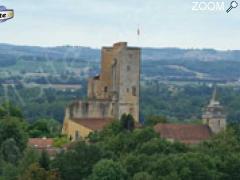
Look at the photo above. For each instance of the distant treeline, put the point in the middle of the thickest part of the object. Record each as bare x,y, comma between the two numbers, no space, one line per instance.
178,103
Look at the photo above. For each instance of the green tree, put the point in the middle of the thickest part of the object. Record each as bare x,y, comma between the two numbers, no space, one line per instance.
8,109
221,144
13,128
60,141
153,120
77,162
34,172
30,156
8,171
44,128
135,163
10,151
229,167
44,160
108,170
127,122
142,176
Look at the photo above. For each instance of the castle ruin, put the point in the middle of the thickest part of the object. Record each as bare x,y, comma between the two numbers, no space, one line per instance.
111,94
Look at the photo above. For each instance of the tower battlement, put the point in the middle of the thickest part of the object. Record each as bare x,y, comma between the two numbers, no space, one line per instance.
120,44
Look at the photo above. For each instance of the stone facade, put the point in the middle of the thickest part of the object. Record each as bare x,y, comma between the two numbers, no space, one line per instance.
119,80
214,115
74,130
89,109
112,93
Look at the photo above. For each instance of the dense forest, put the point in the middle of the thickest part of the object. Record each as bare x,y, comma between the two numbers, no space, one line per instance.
186,103
117,152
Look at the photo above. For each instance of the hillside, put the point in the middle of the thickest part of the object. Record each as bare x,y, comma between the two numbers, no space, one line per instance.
49,78
171,64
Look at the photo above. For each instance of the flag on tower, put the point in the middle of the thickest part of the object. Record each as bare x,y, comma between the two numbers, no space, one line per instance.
138,32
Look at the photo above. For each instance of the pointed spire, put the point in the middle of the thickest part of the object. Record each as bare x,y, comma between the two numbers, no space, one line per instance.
214,97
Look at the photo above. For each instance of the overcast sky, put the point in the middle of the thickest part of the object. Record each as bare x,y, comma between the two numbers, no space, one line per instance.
96,23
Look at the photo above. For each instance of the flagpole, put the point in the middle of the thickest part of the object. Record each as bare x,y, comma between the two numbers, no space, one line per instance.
138,44
138,36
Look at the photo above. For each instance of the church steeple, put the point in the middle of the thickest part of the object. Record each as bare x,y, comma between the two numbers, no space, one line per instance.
214,100
214,93
214,115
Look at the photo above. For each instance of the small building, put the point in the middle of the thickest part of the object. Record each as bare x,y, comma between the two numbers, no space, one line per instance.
44,144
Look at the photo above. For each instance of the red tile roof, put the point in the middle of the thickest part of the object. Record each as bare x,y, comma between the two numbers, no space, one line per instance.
189,134
40,143
94,124
46,144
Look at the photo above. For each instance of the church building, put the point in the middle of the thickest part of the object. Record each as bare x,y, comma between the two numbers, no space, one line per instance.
213,122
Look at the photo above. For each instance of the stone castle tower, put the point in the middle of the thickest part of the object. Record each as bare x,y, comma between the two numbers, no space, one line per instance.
112,93
214,115
119,81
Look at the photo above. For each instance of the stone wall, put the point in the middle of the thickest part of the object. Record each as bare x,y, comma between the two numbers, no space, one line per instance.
89,109
129,82
98,89
71,129
216,124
